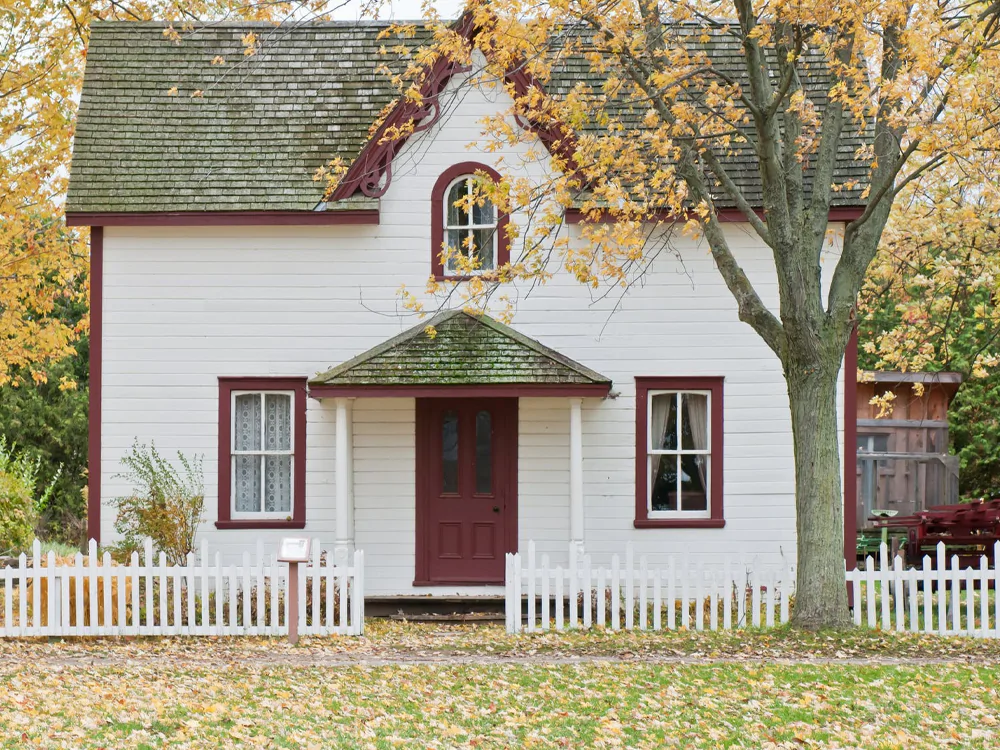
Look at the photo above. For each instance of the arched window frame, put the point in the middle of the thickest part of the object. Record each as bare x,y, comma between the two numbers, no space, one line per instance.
438,209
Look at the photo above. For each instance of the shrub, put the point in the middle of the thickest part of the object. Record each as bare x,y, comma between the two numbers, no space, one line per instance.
19,507
166,505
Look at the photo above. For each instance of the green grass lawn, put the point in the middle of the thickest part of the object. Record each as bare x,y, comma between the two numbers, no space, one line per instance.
631,705
491,690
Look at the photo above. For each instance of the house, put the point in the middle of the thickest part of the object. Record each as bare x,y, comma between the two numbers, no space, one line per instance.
237,315
903,462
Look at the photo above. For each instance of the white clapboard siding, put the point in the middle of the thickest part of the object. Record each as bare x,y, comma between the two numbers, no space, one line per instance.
937,598
92,596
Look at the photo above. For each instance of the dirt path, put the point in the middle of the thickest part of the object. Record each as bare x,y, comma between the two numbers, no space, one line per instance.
291,658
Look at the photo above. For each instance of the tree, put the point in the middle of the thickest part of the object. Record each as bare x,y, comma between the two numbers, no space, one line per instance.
42,54
648,141
932,302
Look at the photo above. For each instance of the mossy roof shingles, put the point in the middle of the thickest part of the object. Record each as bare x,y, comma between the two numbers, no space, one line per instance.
255,137
265,122
465,350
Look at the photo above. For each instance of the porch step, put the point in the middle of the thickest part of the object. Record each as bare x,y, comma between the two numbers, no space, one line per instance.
436,608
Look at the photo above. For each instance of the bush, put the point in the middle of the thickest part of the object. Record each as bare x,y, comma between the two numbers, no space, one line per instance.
19,507
166,506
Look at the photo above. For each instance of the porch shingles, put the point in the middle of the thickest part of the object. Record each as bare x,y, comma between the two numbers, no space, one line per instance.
464,350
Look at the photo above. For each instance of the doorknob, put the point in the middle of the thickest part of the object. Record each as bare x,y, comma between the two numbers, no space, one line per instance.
496,508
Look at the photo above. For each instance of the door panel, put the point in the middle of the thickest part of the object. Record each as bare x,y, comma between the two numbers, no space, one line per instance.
466,489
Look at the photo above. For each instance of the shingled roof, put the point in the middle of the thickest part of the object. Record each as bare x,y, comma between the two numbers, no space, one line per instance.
465,350
262,125
251,141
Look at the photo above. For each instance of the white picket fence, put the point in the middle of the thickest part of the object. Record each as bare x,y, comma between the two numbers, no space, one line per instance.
738,593
94,597
934,598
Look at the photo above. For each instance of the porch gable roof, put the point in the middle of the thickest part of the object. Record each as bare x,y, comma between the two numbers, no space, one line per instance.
465,351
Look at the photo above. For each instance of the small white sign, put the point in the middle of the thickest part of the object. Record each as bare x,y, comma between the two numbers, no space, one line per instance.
294,549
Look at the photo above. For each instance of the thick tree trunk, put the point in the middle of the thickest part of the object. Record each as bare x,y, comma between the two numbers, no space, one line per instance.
821,593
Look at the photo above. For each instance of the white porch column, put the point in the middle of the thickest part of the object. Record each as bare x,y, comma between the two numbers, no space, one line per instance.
576,474
345,476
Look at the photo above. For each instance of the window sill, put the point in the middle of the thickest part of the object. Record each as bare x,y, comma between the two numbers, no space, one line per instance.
264,523
440,277
679,523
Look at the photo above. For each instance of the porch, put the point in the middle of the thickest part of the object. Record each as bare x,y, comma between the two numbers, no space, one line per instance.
451,441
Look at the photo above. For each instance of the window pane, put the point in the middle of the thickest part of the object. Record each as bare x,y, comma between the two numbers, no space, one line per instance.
663,482
694,435
278,484
484,452
483,214
458,216
246,422
278,422
663,422
484,247
694,482
459,247
246,484
449,452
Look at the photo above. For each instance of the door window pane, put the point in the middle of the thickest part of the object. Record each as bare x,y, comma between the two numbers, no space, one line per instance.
484,452
449,452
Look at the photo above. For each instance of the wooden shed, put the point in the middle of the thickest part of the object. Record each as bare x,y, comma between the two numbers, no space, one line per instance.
903,462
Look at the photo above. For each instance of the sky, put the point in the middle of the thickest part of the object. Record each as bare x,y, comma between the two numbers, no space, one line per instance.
400,10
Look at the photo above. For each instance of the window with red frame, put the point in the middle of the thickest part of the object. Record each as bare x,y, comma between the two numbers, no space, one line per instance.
465,224
679,431
261,453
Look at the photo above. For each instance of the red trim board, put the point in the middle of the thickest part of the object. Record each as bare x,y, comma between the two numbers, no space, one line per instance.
222,218
95,383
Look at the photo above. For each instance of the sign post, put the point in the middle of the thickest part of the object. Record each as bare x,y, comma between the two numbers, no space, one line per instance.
293,550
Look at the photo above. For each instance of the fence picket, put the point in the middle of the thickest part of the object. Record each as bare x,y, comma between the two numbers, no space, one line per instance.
643,571
911,578
657,599
942,589
545,593
531,587
926,572
629,587
870,595
897,583
587,583
755,595
883,583
984,596
671,609
615,593
956,596
727,595
559,597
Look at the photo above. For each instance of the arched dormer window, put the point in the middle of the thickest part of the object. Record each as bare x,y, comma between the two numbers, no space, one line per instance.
480,231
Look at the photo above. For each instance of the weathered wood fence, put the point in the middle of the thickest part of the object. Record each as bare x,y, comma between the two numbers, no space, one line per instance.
738,593
92,596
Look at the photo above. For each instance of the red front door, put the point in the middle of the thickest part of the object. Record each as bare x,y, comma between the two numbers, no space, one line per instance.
466,489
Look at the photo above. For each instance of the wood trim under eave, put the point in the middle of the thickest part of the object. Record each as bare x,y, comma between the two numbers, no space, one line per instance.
95,381
223,218
727,215
540,390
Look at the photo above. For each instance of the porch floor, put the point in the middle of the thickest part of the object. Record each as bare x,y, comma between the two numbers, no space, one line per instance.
436,608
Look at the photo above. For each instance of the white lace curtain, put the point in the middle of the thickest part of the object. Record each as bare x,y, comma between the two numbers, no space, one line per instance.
262,430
